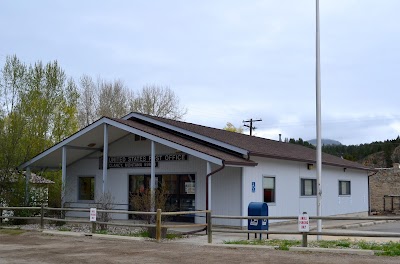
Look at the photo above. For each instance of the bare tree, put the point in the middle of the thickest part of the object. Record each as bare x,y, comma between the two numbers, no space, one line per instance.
113,99
105,202
88,101
158,101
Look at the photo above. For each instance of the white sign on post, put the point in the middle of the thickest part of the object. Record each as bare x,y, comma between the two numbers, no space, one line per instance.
93,214
304,223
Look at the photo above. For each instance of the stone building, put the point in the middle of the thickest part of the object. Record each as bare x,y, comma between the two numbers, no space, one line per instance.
384,190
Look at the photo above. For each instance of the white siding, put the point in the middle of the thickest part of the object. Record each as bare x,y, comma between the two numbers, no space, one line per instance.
289,202
231,188
226,195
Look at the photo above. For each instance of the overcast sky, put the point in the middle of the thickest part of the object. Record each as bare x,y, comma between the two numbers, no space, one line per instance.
230,60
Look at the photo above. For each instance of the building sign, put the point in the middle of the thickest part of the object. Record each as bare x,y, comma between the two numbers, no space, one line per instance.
304,223
253,187
190,187
93,214
139,161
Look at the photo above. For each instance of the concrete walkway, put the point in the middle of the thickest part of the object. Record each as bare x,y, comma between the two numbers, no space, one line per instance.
333,226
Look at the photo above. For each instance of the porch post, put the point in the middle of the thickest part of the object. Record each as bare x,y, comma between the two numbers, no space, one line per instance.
27,178
63,174
105,158
209,184
243,197
153,177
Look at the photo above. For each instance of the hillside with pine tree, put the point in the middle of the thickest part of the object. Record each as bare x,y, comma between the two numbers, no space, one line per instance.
378,154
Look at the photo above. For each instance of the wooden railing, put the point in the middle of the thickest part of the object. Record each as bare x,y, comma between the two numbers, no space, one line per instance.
315,233
158,224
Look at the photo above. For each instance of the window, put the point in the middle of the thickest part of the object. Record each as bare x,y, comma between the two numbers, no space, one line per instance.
308,187
269,189
86,188
344,188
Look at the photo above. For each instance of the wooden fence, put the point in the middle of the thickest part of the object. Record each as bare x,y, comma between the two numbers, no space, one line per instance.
158,225
314,233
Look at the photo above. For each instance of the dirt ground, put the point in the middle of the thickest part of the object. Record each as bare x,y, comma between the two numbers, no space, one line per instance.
35,247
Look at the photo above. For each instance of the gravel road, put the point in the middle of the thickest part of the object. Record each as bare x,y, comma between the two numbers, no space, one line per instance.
35,247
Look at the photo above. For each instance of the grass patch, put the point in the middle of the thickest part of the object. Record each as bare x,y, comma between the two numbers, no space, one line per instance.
173,236
12,232
102,232
331,243
280,244
384,249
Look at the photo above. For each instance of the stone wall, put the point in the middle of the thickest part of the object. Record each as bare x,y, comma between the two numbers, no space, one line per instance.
385,182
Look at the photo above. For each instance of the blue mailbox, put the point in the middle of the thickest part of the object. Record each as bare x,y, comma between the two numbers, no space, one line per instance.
257,209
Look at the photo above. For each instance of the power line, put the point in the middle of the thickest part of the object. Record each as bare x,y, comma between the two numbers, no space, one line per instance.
251,127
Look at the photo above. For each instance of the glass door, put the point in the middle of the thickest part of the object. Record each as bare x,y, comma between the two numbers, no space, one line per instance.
179,191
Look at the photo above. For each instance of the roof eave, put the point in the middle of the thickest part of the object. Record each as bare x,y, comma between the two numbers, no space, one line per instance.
310,161
241,164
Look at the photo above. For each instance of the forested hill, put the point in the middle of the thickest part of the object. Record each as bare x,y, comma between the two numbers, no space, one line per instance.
375,154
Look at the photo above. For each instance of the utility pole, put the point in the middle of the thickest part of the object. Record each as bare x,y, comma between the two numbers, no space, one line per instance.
318,119
251,127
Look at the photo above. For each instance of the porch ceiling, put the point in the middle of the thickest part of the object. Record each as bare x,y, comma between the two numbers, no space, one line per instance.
77,148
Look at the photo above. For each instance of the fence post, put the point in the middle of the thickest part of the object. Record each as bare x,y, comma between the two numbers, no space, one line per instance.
41,216
304,241
209,226
1,214
93,227
158,225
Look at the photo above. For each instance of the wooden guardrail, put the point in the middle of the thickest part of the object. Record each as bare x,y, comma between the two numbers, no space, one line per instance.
305,234
158,223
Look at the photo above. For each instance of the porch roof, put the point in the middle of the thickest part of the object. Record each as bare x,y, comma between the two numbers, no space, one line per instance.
90,140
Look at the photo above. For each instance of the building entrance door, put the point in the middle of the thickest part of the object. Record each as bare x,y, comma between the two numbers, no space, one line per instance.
178,191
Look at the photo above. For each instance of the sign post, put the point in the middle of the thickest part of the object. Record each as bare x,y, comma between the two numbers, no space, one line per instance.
93,214
92,217
304,226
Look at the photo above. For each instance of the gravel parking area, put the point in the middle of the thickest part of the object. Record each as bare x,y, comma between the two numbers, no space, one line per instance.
35,247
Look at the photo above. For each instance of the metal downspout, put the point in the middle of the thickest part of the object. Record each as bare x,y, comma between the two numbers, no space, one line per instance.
208,175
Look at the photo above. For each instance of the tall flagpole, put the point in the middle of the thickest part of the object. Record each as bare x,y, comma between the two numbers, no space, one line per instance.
318,99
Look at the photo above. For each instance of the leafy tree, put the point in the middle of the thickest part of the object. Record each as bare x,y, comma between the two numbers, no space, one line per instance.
230,127
38,108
